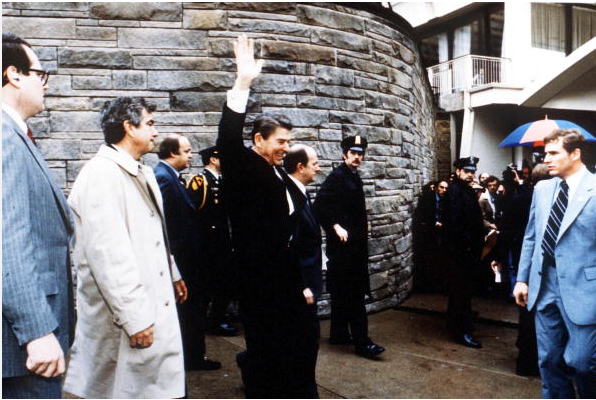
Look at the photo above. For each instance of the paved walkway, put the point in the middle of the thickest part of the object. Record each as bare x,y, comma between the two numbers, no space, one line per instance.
420,361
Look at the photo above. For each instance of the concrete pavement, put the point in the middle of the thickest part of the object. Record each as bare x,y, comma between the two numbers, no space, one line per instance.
420,361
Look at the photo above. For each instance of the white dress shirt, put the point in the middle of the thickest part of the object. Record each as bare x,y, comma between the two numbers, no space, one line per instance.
15,116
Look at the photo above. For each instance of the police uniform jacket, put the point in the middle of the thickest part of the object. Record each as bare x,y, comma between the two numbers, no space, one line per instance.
213,222
341,201
463,223
260,222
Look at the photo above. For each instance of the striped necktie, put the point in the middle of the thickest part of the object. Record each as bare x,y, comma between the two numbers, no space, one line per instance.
554,221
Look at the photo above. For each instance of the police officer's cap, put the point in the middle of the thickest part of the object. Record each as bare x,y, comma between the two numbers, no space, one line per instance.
207,153
468,163
354,143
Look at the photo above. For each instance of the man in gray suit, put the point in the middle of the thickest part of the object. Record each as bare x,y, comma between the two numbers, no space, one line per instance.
37,312
557,269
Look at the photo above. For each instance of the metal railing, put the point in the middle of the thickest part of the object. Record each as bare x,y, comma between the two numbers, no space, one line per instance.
467,72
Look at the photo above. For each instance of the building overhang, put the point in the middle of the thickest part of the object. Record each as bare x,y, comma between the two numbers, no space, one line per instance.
575,77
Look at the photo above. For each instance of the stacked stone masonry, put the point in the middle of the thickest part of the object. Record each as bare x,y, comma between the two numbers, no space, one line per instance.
334,70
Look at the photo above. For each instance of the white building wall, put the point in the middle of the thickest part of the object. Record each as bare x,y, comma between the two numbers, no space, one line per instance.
491,125
527,63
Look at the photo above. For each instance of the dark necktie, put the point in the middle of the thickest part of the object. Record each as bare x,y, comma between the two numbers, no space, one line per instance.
554,221
182,181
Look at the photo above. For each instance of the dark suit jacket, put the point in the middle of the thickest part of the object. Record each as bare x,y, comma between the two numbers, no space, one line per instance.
181,224
306,240
341,201
36,230
261,225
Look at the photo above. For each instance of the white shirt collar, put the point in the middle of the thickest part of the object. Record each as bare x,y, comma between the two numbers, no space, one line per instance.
170,166
299,184
574,180
15,116
214,172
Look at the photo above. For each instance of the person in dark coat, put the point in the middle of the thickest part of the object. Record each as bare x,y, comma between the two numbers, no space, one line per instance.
217,260
464,237
302,164
341,209
272,304
183,234
429,275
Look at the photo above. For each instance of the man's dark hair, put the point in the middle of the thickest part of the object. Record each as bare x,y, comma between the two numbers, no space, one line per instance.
265,124
571,139
490,179
169,146
13,53
115,112
295,157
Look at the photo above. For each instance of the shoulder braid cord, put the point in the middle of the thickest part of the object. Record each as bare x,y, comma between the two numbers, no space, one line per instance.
196,183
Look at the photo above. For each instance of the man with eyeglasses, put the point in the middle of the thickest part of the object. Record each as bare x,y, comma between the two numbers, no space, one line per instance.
37,311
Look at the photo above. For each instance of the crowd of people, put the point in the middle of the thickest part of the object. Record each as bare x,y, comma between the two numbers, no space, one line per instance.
494,237
159,258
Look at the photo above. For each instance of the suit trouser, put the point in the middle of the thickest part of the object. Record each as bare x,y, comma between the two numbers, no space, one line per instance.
459,307
348,310
192,326
565,349
31,387
280,356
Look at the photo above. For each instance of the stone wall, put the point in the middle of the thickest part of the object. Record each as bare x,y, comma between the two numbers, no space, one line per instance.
334,70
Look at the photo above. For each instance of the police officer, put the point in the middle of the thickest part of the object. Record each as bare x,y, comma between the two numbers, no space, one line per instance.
464,236
217,256
341,209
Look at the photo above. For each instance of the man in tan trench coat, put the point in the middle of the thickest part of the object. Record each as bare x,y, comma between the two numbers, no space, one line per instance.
127,337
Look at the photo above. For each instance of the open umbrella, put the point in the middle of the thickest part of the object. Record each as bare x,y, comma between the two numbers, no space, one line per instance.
533,133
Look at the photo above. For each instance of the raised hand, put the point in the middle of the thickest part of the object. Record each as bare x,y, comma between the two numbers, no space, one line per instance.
247,67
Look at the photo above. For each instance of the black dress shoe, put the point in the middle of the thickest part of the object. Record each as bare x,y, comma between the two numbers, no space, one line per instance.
342,340
370,351
467,340
225,330
208,365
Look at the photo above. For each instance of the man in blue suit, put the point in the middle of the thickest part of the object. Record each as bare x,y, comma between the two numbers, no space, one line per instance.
37,311
557,269
183,233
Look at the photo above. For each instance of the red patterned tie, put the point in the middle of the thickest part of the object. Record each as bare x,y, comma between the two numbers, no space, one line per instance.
30,136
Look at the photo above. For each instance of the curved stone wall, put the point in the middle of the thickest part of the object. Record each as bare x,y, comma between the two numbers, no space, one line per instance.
333,69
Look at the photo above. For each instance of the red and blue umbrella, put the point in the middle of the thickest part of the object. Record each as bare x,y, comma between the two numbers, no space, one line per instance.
533,133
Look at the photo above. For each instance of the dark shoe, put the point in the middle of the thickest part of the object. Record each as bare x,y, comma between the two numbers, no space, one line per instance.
342,341
370,351
225,330
467,340
208,365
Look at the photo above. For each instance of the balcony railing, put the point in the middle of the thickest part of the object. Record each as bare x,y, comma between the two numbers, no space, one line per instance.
467,72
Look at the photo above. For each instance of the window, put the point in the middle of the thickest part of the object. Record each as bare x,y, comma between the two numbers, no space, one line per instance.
548,26
583,24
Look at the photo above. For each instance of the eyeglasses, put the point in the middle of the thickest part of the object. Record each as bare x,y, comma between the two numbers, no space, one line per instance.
43,75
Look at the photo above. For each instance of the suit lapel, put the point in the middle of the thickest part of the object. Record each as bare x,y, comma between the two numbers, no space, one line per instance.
577,203
38,157
177,183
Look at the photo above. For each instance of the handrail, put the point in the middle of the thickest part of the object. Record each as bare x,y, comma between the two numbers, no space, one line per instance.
466,72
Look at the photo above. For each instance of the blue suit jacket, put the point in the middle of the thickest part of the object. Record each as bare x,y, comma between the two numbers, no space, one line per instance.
575,251
36,231
183,232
